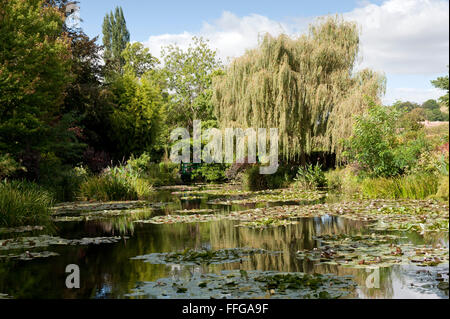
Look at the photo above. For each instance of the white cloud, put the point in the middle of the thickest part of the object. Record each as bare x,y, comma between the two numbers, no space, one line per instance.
404,36
397,37
230,34
410,94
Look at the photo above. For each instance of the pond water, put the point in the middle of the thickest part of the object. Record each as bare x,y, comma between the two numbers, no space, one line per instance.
108,270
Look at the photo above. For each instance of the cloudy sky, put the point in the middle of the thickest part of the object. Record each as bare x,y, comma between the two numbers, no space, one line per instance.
405,39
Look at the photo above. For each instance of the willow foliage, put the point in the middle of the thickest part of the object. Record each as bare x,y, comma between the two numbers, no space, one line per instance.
305,87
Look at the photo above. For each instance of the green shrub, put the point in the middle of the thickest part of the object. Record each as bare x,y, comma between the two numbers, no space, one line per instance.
158,174
443,189
116,183
310,176
210,172
252,180
142,187
408,186
164,174
334,179
9,166
381,146
65,184
107,187
24,203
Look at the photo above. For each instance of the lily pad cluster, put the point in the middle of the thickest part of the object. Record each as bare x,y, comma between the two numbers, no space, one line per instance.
29,255
21,229
198,257
46,240
173,219
76,207
429,280
245,285
411,215
364,251
267,222
228,195
194,211
102,214
27,243
272,196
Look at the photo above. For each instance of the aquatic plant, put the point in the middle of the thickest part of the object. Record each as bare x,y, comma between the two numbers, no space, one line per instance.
202,256
24,203
409,186
248,284
310,177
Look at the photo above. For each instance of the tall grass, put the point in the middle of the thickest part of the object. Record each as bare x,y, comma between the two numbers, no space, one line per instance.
116,183
409,186
107,188
343,180
24,203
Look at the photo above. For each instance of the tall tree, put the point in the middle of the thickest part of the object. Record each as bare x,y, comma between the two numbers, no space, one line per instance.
189,74
115,38
442,83
137,116
305,87
138,59
35,61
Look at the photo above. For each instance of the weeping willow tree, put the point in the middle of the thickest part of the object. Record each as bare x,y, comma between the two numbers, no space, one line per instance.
306,87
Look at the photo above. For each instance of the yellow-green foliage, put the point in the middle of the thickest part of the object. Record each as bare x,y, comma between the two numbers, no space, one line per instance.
24,203
290,84
409,186
107,188
343,180
443,190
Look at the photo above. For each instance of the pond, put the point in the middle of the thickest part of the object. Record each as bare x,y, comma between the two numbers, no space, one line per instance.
131,258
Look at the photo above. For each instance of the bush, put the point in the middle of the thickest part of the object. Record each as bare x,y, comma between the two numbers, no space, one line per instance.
310,176
381,146
65,184
164,173
24,203
210,172
409,187
9,166
116,183
107,187
443,189
252,180
344,180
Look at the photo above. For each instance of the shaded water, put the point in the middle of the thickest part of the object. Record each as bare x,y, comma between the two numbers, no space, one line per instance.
107,271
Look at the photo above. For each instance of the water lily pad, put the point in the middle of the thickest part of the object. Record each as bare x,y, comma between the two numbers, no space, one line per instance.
364,251
30,255
256,284
198,257
45,241
21,229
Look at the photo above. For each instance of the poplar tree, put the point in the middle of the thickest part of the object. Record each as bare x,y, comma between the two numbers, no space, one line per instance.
115,38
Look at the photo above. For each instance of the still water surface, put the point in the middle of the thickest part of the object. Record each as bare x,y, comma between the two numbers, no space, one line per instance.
107,270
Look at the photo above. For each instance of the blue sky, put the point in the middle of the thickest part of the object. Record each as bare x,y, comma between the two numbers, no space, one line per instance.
405,39
174,16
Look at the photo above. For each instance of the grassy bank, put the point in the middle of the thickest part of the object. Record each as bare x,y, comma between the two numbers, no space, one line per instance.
24,203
